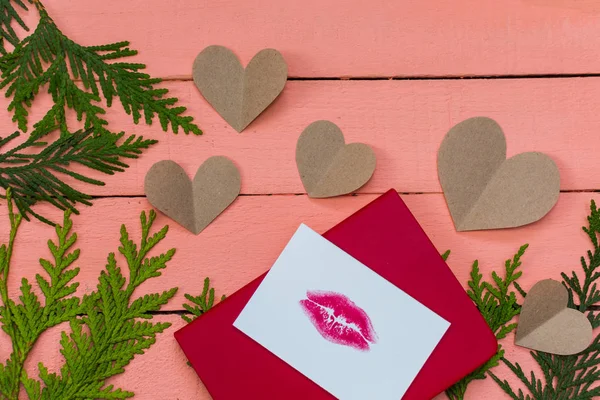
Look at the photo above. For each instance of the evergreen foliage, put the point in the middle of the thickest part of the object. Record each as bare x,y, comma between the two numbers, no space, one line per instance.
200,304
39,176
86,80
8,15
108,327
573,377
498,306
77,75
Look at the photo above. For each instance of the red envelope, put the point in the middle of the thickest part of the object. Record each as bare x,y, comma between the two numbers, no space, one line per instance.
386,237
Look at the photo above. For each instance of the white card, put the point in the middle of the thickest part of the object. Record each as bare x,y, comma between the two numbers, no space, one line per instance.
339,323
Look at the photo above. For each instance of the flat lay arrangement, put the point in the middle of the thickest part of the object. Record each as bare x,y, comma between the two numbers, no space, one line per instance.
336,229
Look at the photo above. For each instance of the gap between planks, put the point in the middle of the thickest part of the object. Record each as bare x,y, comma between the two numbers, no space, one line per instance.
129,196
188,78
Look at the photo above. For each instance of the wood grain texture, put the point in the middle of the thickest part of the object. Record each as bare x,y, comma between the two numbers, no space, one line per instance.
244,241
162,373
341,38
403,121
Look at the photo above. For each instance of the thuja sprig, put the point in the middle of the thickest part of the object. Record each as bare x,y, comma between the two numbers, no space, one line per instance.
86,80
48,58
498,305
572,377
8,15
198,305
108,327
25,320
38,176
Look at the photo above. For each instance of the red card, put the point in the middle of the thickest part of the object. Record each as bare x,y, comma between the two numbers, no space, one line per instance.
385,237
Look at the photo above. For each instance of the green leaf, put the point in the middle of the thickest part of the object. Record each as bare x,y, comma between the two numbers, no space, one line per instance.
24,321
38,176
114,335
84,80
446,255
8,15
498,306
32,387
108,327
48,58
572,377
200,304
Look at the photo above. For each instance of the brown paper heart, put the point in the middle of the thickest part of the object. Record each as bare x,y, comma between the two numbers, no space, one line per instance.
193,204
328,167
483,189
239,95
546,324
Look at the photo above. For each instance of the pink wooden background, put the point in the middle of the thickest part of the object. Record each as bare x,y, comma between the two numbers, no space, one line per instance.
533,65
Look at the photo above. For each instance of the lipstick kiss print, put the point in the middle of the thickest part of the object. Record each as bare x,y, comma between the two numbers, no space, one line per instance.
339,320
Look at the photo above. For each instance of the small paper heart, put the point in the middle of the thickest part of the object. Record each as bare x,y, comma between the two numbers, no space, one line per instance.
239,95
193,204
483,189
546,324
328,167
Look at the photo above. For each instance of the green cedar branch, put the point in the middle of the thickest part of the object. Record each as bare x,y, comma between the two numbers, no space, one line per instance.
200,304
573,377
77,76
26,320
8,15
498,306
39,176
108,327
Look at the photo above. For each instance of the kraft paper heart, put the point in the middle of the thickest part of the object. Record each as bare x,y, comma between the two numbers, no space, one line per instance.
193,204
328,167
546,324
483,189
239,95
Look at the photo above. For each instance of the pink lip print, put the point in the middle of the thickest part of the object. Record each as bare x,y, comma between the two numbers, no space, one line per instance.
339,320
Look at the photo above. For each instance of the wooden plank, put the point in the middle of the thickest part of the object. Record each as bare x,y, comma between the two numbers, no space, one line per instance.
341,38
245,240
146,377
404,121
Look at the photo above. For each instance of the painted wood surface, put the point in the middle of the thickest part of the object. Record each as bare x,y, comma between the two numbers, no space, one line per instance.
162,372
245,241
403,120
357,38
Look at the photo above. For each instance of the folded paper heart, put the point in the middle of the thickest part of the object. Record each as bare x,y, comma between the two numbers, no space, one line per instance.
328,167
193,204
483,189
546,324
239,95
